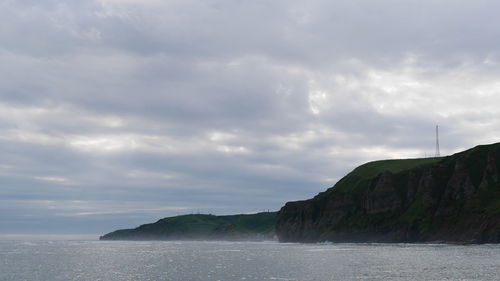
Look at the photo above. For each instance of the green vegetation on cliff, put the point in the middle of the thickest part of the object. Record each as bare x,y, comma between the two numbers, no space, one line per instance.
258,226
454,198
359,179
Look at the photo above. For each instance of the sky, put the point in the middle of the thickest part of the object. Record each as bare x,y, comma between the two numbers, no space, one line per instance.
115,113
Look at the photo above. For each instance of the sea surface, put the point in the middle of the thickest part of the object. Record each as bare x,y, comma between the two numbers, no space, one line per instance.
231,261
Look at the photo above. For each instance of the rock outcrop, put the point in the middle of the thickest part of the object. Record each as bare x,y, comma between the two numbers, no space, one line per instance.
448,199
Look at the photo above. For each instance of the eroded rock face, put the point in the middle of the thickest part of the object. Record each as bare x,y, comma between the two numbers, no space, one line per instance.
456,199
382,196
490,176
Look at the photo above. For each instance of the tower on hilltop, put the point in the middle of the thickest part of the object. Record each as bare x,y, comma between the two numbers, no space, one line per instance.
438,154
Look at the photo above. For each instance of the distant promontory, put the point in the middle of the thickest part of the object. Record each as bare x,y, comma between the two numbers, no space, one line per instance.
249,227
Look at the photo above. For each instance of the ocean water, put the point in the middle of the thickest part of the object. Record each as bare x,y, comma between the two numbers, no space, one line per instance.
231,261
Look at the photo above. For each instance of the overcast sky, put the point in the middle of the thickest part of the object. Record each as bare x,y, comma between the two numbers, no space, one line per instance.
115,113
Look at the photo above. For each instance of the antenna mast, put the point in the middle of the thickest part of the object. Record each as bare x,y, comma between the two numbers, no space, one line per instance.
437,142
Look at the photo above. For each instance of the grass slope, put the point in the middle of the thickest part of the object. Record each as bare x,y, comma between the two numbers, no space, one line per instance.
201,226
359,179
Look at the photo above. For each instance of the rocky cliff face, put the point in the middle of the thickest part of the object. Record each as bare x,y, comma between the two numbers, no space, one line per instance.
449,199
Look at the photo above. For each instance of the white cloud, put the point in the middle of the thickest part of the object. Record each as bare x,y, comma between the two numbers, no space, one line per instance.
56,180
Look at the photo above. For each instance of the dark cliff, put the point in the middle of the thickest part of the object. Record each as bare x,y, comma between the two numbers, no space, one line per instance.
448,199
253,227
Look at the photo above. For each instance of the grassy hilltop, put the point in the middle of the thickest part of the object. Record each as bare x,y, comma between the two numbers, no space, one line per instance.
258,226
359,179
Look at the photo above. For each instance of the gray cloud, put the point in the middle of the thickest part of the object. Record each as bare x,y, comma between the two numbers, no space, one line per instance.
116,113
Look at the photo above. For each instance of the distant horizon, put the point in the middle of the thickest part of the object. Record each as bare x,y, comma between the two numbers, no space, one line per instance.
48,237
86,236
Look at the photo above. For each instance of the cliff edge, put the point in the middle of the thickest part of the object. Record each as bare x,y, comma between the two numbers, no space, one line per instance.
448,199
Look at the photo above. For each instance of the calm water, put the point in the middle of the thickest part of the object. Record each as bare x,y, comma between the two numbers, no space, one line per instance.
184,261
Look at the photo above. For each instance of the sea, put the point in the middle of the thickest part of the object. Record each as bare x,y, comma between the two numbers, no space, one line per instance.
231,261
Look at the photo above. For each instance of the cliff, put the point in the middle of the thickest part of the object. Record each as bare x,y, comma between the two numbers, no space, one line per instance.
253,227
448,199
